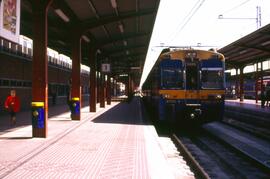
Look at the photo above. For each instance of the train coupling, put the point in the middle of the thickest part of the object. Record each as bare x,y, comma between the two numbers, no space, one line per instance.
194,111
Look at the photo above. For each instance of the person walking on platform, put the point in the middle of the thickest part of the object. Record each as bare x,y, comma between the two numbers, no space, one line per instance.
263,96
12,104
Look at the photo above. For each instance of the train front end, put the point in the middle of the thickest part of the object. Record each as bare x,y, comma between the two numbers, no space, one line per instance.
191,86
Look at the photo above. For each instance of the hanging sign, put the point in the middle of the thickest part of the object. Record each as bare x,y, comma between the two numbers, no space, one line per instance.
105,67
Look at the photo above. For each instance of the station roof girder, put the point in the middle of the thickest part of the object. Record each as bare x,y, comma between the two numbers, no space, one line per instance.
99,21
252,48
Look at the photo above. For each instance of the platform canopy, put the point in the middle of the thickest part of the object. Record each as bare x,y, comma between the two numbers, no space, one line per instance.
121,29
254,47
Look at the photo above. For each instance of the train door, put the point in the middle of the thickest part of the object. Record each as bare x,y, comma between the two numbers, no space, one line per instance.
192,76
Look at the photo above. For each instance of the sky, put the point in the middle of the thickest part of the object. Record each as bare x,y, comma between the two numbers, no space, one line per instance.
195,22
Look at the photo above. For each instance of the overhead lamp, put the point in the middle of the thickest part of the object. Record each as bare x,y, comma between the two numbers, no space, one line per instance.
243,51
62,15
265,43
121,28
114,4
127,52
61,42
135,68
85,38
125,43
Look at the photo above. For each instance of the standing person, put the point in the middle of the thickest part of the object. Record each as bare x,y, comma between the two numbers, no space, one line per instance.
263,96
12,104
267,90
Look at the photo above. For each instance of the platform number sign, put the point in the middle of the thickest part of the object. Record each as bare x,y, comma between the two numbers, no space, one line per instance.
106,68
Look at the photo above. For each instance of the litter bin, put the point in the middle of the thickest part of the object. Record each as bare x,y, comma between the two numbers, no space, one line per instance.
75,108
38,117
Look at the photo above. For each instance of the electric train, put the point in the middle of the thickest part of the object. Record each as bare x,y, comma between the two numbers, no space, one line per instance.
186,85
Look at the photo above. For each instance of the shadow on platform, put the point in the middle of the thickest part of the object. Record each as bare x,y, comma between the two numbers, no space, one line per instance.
123,113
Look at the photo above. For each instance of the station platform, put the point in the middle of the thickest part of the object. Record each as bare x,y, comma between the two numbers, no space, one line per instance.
247,104
249,114
114,142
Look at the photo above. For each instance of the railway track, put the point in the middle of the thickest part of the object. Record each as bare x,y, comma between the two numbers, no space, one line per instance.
212,157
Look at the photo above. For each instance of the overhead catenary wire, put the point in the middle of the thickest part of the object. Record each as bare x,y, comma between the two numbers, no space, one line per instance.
237,6
187,18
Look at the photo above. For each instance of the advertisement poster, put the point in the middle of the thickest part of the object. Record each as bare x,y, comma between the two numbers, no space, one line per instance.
10,20
10,15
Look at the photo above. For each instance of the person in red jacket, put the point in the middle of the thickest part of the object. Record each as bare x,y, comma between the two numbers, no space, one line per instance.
12,104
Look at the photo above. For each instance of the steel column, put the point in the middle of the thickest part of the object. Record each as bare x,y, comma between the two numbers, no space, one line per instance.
108,90
241,84
40,69
102,91
256,83
93,80
76,71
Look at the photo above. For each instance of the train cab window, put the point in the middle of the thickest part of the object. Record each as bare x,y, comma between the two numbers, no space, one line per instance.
171,78
212,79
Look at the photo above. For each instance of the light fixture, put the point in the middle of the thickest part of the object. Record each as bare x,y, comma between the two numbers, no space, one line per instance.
125,43
85,38
127,52
61,42
243,51
98,51
121,28
265,43
62,15
135,68
114,4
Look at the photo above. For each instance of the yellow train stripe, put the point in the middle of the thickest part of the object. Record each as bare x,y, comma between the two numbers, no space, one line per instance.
190,94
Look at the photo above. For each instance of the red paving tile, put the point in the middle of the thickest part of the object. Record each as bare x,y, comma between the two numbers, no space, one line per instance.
111,143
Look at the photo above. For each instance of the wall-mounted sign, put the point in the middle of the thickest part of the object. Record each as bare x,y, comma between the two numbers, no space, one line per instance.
105,67
10,19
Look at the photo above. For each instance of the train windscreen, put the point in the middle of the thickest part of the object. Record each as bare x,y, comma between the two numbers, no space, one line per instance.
212,79
172,78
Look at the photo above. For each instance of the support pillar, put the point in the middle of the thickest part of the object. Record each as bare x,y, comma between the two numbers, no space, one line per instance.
108,90
102,91
237,83
76,75
40,69
256,83
93,80
98,87
241,84
261,76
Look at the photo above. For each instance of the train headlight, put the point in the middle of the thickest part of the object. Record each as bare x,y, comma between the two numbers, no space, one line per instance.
218,96
165,96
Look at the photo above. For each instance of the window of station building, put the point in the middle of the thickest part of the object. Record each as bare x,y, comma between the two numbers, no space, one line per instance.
27,84
19,83
13,83
5,83
61,90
